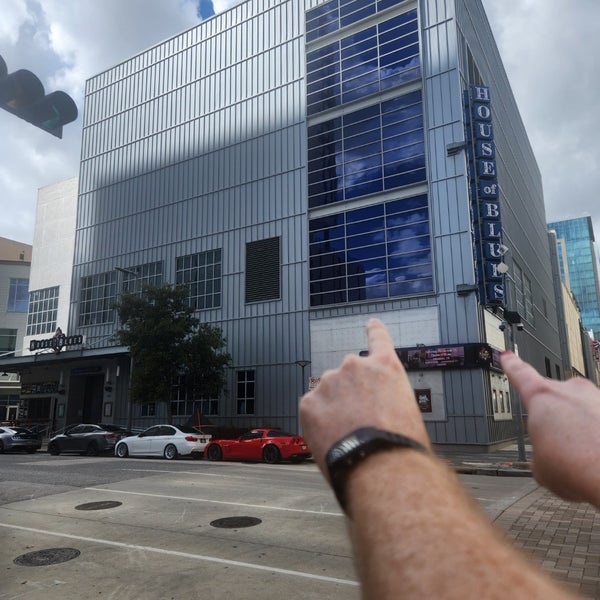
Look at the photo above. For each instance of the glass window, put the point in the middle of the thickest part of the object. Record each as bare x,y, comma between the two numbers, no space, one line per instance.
43,311
8,341
357,155
201,272
18,295
245,392
97,298
378,257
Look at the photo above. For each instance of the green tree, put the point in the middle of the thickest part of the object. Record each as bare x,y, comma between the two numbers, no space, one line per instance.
168,344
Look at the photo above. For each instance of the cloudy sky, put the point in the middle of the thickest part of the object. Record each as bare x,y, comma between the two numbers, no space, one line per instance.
549,49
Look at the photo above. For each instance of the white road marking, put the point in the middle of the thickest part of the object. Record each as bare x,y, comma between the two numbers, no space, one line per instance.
200,557
205,500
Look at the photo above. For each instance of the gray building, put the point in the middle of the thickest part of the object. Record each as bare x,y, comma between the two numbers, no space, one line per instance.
302,166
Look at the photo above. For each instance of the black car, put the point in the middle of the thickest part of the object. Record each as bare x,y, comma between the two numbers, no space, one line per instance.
90,439
19,438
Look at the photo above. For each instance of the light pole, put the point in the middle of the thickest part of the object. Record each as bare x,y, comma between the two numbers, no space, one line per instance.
303,364
512,318
129,402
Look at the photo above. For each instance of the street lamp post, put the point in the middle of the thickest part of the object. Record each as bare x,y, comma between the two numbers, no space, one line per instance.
303,364
512,318
129,402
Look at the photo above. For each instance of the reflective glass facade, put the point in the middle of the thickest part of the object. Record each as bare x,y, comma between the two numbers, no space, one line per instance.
382,250
577,237
374,252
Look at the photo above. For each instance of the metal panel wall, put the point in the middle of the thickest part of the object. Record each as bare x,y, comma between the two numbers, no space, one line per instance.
199,143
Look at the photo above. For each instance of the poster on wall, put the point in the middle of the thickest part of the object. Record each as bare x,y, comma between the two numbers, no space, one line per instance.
423,397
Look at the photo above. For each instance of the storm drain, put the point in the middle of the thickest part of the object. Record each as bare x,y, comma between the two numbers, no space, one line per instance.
99,505
51,556
235,522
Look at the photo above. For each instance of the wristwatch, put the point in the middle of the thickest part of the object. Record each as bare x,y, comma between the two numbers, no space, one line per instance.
355,447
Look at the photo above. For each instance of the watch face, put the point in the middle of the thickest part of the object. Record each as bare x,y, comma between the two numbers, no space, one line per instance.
343,447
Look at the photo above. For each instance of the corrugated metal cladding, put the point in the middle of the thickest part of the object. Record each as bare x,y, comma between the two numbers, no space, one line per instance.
199,144
198,148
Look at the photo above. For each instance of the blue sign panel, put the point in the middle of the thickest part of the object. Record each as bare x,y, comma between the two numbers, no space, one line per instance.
485,192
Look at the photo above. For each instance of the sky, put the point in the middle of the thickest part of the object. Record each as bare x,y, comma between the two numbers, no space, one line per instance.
549,50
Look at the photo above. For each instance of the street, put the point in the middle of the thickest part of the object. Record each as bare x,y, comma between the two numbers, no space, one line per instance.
157,529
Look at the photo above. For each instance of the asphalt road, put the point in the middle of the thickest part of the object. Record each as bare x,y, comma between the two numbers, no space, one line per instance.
157,530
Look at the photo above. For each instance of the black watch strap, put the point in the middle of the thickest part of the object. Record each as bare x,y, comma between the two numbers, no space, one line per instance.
355,447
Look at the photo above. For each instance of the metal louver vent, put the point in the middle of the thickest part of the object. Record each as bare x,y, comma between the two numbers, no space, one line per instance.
263,270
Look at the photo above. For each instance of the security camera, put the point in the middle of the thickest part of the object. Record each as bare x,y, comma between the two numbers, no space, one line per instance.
520,326
502,326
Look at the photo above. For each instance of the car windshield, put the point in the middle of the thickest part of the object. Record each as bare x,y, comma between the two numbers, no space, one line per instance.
20,430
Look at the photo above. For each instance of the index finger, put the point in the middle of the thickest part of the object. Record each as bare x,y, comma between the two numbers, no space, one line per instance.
378,337
526,380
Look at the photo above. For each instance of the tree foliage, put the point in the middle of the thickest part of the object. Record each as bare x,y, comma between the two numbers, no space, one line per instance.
169,345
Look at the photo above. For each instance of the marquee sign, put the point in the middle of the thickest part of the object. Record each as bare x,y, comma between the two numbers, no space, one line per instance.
485,202
56,343
456,356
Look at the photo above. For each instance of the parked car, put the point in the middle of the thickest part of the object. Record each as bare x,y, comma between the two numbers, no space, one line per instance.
85,438
169,441
269,445
19,438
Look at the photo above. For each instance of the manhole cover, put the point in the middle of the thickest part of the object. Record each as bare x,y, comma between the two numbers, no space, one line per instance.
51,556
236,522
98,505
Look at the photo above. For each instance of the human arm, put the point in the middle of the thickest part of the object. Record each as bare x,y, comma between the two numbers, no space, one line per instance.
563,425
415,532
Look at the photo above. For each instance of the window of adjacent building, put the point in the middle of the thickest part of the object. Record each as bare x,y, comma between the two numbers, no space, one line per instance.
97,298
201,273
245,392
141,276
379,147
548,367
379,251
263,270
8,341
18,295
43,311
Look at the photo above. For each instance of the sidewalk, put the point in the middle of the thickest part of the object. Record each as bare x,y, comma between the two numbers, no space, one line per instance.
563,537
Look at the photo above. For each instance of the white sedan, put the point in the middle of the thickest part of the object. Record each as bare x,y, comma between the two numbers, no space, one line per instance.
169,441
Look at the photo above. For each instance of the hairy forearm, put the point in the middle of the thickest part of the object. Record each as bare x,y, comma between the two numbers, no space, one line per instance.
417,534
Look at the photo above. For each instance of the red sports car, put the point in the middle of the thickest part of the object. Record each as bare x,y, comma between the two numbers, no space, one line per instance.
270,445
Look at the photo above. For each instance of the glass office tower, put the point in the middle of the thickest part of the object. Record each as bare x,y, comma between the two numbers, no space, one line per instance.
577,244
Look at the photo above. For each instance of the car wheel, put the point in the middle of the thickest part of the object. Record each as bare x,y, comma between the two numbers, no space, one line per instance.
170,452
271,454
214,452
53,449
122,451
1,447
92,449
31,450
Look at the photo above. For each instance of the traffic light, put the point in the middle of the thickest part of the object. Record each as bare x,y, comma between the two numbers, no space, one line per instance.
23,95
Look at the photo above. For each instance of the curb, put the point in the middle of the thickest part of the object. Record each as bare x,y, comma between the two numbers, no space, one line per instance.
492,471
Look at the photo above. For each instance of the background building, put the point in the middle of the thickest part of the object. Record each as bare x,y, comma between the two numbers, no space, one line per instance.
302,166
578,260
15,262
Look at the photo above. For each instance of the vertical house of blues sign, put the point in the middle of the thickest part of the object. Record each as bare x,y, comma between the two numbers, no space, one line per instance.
485,197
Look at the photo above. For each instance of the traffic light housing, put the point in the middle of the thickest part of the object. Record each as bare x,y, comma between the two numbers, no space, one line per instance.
23,95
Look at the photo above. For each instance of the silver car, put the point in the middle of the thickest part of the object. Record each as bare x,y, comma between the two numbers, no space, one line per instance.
19,438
